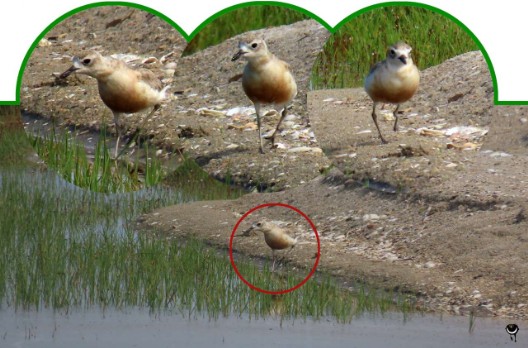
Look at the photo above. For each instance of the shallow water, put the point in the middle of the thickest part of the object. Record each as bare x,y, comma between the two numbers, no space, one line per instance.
38,126
137,328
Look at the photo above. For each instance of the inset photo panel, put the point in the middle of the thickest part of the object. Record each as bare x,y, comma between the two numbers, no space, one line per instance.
243,80
95,92
403,95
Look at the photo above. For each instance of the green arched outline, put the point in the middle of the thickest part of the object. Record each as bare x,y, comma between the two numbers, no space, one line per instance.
189,37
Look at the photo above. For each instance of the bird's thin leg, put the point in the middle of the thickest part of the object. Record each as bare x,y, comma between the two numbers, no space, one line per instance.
374,118
257,111
273,260
395,114
118,131
287,253
156,108
137,133
283,115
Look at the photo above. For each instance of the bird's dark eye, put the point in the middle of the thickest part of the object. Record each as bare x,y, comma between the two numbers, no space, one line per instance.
254,45
86,61
259,224
392,52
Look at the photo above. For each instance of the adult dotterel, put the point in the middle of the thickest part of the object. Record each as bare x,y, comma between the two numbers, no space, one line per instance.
275,236
266,80
393,80
122,89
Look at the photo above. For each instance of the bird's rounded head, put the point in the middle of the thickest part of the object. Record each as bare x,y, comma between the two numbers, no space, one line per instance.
400,53
89,65
255,48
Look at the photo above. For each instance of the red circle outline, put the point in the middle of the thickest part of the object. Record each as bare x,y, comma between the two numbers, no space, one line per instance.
284,205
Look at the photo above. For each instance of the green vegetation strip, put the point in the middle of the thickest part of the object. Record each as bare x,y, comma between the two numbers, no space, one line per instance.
362,41
14,145
239,21
63,248
102,174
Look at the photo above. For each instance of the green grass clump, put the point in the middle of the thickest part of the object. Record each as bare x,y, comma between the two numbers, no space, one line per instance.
68,157
190,180
239,21
14,144
363,40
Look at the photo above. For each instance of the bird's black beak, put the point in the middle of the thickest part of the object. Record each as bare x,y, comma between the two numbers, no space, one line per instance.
237,55
242,49
76,66
403,59
247,232
68,72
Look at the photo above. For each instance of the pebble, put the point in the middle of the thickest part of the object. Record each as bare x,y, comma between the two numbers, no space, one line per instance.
171,65
44,42
232,146
209,112
364,131
429,264
149,60
466,130
305,149
499,154
370,217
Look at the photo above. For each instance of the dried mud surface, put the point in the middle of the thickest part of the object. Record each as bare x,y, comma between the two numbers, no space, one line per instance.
442,216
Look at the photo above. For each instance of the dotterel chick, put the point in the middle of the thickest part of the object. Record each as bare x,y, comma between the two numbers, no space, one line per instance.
393,80
266,80
122,89
276,237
